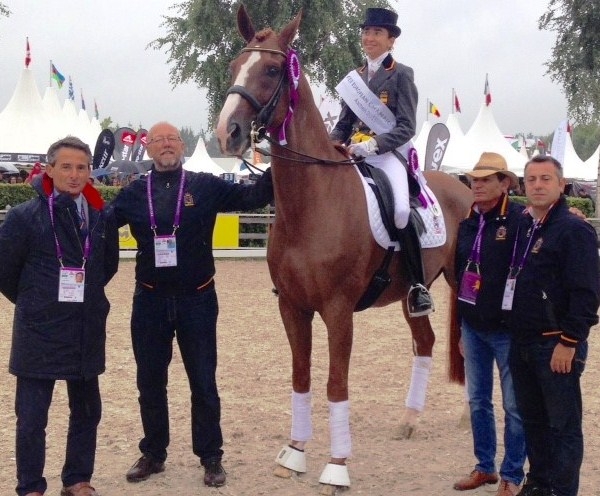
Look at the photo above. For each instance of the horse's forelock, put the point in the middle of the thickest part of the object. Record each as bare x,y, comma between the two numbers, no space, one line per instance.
264,34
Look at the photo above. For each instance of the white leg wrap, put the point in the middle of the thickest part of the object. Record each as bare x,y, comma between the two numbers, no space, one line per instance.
292,458
339,429
335,475
301,416
418,383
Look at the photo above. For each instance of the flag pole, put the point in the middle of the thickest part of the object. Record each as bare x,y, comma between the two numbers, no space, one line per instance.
50,77
452,102
427,111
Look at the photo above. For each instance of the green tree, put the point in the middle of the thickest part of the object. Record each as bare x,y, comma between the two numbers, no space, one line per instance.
4,11
107,123
189,139
575,61
586,138
203,38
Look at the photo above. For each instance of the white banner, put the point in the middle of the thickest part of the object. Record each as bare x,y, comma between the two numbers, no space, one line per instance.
365,104
559,142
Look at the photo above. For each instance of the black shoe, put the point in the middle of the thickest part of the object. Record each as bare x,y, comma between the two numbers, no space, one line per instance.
144,468
532,489
419,301
214,474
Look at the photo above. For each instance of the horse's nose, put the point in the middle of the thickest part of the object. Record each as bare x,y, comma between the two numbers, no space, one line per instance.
229,136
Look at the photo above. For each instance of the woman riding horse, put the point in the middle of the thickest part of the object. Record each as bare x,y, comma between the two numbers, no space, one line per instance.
390,87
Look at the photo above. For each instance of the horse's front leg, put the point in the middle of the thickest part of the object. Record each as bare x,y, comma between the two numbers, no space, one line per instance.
339,331
298,326
423,339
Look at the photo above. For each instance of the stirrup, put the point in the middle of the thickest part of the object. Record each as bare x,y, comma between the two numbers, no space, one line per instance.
423,309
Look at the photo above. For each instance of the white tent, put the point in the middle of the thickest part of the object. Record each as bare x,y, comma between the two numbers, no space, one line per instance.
24,123
420,142
200,161
483,136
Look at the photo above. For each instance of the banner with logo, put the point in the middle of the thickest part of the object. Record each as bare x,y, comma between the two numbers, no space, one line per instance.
559,142
139,146
105,145
124,141
437,142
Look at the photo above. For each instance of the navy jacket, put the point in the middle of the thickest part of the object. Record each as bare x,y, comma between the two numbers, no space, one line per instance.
394,84
52,339
496,250
558,290
204,196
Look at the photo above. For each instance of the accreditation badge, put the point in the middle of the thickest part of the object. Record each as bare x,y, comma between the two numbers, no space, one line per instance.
469,287
71,284
509,293
165,251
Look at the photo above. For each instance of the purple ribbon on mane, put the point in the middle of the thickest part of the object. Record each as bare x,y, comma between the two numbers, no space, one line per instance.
293,68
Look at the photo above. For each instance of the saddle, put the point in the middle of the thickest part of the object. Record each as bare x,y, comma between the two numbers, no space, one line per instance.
381,187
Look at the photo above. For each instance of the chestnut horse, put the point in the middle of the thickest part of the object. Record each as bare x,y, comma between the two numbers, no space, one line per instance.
321,252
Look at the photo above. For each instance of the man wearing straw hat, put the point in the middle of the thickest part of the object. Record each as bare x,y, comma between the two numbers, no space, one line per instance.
485,242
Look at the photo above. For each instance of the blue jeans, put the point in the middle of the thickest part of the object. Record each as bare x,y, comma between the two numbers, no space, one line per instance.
155,320
551,406
481,350
32,401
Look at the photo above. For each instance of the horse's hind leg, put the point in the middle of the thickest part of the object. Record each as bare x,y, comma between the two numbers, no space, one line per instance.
423,340
298,326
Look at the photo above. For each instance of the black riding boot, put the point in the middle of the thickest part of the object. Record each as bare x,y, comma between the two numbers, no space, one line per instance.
419,300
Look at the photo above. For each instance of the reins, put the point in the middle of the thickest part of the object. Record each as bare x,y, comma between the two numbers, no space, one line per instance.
264,117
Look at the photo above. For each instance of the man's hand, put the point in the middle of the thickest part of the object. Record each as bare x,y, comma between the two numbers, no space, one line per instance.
562,359
364,148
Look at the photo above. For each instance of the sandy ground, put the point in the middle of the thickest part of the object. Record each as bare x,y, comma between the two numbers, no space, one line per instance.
254,381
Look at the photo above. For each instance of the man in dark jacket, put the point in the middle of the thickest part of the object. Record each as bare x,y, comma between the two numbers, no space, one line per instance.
552,292
485,243
59,326
171,214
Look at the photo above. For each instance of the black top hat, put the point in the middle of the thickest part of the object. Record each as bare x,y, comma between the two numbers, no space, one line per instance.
383,18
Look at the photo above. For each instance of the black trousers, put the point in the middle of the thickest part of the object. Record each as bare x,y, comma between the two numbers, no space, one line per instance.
32,401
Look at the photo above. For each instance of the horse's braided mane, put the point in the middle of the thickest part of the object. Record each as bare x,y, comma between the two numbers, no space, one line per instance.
263,34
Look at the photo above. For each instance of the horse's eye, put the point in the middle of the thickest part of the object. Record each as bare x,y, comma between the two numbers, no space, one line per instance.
273,71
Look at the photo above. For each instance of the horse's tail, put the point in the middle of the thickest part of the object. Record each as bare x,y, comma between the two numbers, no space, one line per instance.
456,362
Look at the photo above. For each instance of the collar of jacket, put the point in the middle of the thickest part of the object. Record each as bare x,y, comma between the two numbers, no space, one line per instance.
498,212
388,64
91,194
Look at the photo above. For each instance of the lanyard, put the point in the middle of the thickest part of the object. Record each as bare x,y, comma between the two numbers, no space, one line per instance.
87,246
476,249
177,218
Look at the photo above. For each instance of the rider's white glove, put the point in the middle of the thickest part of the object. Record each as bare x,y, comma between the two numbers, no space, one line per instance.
364,148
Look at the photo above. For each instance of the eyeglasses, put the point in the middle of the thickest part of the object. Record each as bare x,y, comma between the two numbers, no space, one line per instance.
161,139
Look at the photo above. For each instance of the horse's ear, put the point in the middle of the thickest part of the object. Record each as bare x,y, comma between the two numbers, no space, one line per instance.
288,33
245,24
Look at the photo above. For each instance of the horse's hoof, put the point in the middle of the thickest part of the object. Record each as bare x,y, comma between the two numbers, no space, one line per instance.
292,458
284,473
329,490
405,431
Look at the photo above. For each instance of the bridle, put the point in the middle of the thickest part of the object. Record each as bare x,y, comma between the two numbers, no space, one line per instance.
260,126
265,112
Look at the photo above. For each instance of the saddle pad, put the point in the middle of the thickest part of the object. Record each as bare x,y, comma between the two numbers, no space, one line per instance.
435,227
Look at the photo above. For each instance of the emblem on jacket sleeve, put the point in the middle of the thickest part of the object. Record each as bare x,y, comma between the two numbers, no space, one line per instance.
383,97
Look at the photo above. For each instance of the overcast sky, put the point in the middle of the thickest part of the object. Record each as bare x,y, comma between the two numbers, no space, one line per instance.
449,43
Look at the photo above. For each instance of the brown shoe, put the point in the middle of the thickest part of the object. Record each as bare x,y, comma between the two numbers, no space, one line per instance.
214,474
79,489
144,468
507,488
474,480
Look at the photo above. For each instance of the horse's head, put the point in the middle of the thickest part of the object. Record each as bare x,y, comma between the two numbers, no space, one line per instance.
259,95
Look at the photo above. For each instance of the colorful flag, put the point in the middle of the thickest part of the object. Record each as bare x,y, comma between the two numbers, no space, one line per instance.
27,54
96,110
434,110
456,103
569,127
486,92
71,92
82,101
57,76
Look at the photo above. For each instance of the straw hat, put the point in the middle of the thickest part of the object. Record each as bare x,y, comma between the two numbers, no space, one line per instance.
493,163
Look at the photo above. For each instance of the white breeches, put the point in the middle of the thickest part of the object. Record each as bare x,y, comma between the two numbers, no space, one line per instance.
396,173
